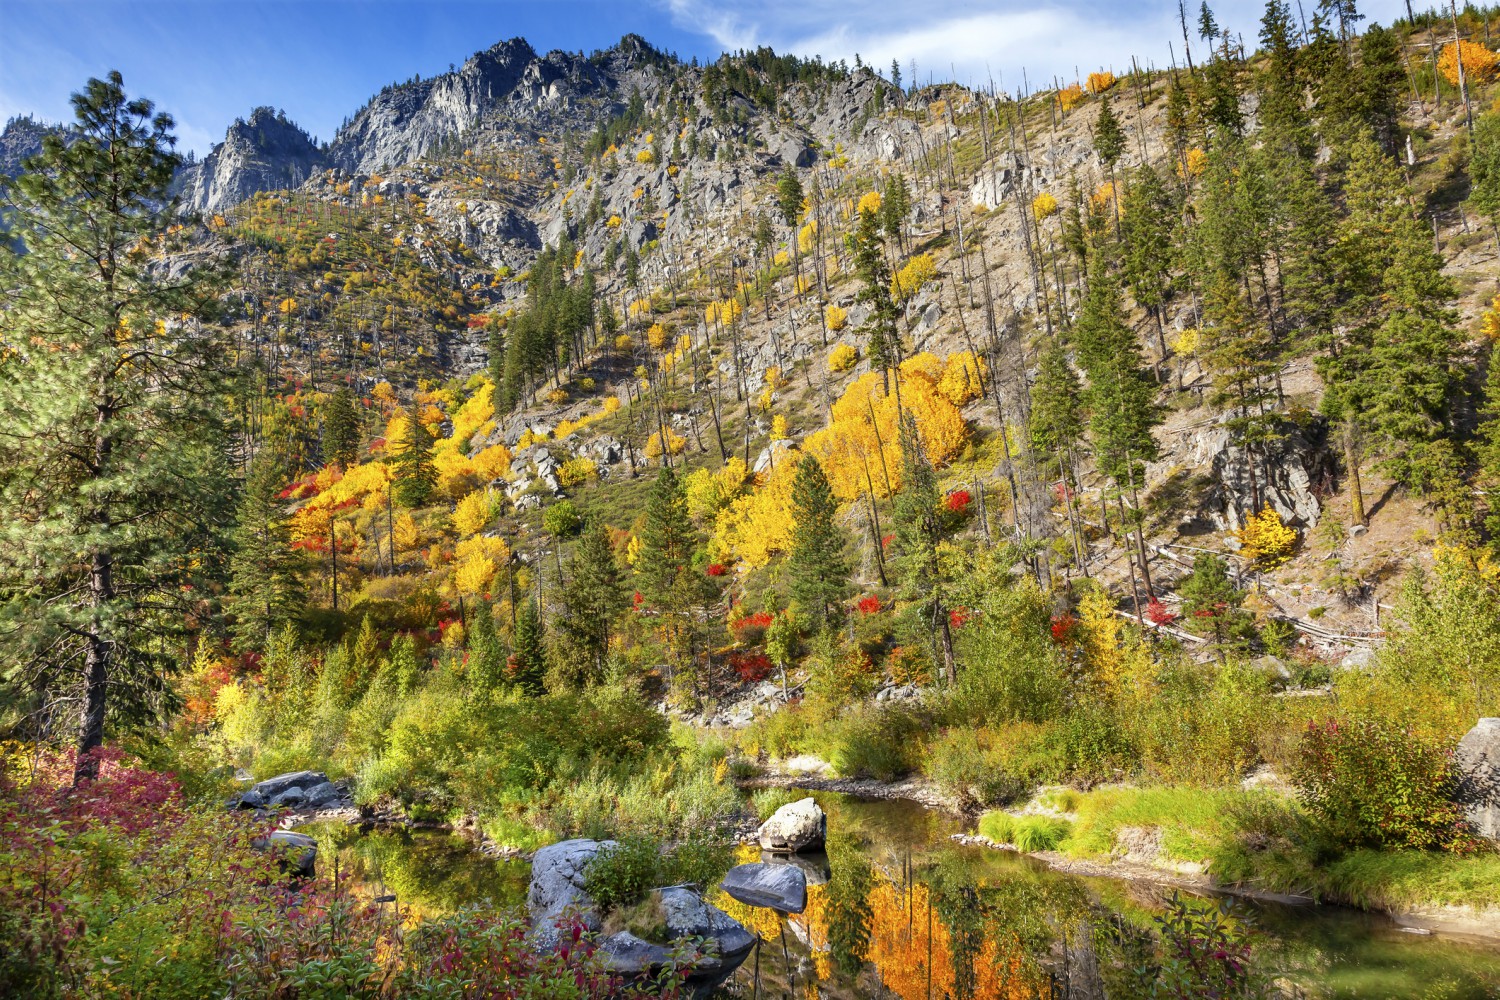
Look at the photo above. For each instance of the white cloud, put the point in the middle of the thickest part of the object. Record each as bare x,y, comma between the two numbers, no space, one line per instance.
971,42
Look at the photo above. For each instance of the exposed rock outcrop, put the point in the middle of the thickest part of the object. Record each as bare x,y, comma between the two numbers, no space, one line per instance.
1478,759
267,152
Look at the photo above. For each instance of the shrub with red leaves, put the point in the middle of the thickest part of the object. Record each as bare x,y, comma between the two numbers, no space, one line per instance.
751,667
958,502
1063,627
751,629
1159,613
869,605
716,569
959,617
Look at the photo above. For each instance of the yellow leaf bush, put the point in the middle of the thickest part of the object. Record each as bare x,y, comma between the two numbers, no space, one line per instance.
842,358
675,443
1043,206
913,275
869,201
835,318
1266,540
757,525
1098,83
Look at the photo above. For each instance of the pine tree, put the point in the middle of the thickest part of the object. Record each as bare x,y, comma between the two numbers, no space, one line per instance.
1056,414
894,208
919,531
341,429
818,570
1394,374
487,662
1212,603
1148,230
1208,28
1382,80
594,596
265,590
114,481
406,669
1109,138
414,477
1484,170
882,347
789,196
528,663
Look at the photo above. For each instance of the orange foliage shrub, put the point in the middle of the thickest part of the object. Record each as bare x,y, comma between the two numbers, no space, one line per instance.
1098,83
1479,62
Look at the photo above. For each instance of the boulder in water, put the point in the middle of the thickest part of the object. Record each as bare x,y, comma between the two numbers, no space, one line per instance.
796,826
780,887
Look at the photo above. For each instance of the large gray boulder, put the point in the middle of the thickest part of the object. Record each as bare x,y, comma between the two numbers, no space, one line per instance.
299,852
556,892
779,887
1478,759
556,888
796,826
272,787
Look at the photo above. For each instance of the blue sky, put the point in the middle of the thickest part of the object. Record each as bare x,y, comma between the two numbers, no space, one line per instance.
208,61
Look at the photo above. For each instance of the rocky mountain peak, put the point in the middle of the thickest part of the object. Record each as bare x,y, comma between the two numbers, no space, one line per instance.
265,152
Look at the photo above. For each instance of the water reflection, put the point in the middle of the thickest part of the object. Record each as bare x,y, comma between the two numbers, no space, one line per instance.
897,909
908,913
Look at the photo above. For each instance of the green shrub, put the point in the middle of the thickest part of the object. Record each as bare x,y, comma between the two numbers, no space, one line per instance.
975,767
877,741
780,734
1040,833
1373,785
1094,746
998,825
623,873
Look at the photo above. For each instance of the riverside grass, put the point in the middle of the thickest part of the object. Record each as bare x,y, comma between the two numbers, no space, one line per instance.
1253,838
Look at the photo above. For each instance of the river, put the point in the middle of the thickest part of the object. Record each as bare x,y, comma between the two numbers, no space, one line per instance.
1002,925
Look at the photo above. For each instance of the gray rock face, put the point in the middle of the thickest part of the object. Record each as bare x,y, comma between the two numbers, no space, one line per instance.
796,826
265,153
556,892
1478,759
319,795
779,887
557,886
291,797
299,851
272,787
1282,472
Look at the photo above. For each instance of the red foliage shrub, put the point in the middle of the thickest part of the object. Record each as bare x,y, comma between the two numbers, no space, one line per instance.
751,667
1159,613
1063,626
958,501
716,569
751,629
869,605
959,617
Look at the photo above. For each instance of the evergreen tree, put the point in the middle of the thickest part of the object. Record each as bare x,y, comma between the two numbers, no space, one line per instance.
1212,603
1208,28
817,567
415,476
1382,80
265,591
1056,416
1284,120
1484,170
594,596
341,429
528,663
487,661
789,196
1109,137
919,531
895,207
406,668
1394,374
1148,229
114,484
882,347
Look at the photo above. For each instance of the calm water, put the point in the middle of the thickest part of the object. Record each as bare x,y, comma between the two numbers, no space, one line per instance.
1000,925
